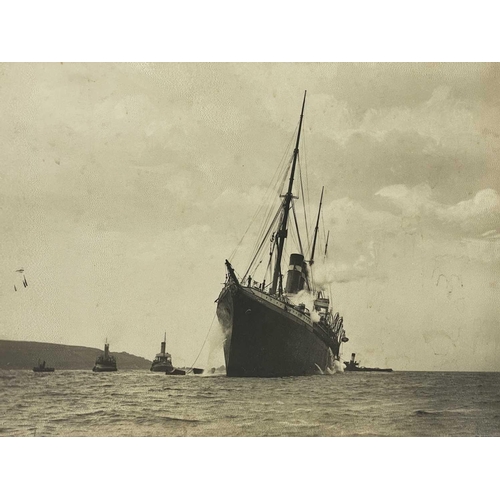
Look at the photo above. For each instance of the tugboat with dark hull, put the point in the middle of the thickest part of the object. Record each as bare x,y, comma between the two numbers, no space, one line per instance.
43,368
106,362
353,366
163,362
267,334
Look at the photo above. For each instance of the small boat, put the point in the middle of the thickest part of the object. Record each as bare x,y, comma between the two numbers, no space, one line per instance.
353,366
163,360
42,368
105,362
163,363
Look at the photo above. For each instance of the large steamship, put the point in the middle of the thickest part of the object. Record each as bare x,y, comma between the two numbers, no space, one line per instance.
268,331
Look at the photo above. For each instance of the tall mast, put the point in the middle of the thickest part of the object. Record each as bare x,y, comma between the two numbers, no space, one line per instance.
311,261
282,232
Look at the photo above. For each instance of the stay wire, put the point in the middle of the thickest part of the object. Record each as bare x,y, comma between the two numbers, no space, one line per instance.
203,345
272,184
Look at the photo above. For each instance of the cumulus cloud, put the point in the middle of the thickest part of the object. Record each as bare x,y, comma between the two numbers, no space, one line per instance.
476,215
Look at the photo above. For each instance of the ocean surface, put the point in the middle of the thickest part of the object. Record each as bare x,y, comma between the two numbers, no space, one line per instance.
141,403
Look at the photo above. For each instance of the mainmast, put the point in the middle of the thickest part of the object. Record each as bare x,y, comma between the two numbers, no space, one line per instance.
282,232
311,261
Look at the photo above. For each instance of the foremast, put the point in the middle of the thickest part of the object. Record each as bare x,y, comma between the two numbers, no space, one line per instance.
283,231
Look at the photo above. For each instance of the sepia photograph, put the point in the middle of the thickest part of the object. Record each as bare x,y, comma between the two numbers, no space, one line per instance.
250,249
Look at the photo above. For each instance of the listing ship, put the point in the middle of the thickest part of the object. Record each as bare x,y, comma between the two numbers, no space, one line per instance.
353,366
163,363
105,362
42,368
269,331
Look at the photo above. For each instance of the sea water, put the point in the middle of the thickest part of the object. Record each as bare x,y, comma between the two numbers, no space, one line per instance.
141,403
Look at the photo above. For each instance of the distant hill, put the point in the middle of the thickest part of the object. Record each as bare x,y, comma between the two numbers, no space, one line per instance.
20,355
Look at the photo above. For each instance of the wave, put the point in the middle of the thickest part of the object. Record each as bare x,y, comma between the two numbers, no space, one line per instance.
420,413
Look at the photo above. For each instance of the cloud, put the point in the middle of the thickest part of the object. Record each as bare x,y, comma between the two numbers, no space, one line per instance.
473,216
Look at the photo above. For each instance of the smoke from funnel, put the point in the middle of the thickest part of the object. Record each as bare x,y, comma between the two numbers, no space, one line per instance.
307,298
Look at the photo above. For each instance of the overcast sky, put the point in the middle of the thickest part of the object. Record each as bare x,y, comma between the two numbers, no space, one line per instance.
125,187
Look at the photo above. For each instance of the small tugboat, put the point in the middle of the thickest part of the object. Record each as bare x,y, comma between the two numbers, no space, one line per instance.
42,368
353,366
163,362
105,362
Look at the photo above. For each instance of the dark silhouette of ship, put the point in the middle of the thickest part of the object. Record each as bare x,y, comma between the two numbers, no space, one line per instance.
269,331
42,368
353,366
163,363
106,362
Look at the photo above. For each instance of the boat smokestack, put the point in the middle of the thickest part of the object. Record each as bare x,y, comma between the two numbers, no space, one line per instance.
295,275
106,350
353,357
164,344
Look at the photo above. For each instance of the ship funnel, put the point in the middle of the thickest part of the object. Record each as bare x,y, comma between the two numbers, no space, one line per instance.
353,356
106,349
295,276
163,347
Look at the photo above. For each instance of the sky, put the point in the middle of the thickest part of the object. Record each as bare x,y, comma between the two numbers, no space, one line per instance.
124,187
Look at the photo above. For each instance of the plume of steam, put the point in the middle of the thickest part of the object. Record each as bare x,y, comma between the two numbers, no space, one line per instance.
333,366
338,366
216,343
307,298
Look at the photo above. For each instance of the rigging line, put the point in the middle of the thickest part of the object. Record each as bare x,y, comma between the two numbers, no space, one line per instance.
262,243
323,227
203,345
312,286
271,187
294,239
297,228
303,202
261,235
305,197
308,200
277,184
250,225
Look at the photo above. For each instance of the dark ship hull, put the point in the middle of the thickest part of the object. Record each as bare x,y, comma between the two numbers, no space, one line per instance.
42,368
175,371
106,362
268,338
160,367
163,361
100,367
166,368
353,366
364,369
